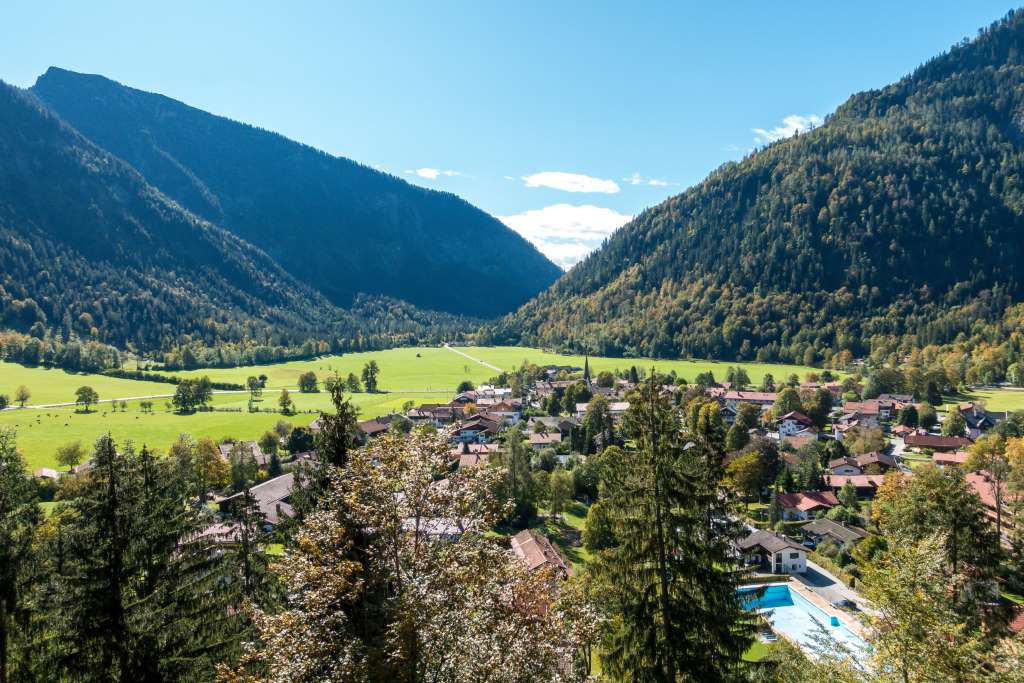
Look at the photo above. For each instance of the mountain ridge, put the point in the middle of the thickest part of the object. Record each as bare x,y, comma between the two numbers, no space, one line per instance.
373,232
901,209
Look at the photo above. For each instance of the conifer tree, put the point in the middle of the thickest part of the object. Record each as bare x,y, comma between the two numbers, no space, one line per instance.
677,612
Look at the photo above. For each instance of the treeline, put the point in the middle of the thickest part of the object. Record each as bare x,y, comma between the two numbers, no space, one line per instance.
170,379
73,354
899,218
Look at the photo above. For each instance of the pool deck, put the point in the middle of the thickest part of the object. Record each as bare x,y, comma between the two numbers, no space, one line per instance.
849,620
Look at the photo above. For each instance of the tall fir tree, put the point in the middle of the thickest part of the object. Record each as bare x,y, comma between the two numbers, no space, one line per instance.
678,616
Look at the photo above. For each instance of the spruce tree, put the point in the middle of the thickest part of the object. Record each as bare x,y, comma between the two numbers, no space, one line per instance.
19,516
678,616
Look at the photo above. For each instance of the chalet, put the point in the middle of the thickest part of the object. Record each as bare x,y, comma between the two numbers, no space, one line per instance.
845,466
248,448
562,425
470,454
825,529
549,440
843,425
273,498
880,462
866,484
944,460
773,553
793,422
978,419
535,551
903,430
478,429
937,443
763,399
507,411
376,426
616,409
806,504
867,413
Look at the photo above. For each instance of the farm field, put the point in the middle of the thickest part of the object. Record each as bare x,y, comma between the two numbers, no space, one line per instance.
53,385
42,431
421,368
507,357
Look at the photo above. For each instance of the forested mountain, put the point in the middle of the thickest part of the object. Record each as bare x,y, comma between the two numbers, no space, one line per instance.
89,250
339,226
900,219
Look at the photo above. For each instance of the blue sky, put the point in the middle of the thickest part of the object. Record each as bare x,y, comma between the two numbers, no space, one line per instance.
563,119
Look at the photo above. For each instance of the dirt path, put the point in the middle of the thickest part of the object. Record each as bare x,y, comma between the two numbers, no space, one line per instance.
475,360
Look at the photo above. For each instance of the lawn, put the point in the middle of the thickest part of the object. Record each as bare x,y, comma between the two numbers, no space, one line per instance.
51,385
507,357
42,431
757,651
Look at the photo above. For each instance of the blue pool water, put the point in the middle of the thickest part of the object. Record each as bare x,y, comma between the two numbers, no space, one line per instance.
797,619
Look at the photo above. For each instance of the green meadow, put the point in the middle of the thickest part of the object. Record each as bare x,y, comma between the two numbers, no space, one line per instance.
420,369
42,431
420,375
52,385
507,357
997,399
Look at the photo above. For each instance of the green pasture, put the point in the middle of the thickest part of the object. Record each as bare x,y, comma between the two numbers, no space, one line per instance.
435,368
995,399
507,357
42,431
52,385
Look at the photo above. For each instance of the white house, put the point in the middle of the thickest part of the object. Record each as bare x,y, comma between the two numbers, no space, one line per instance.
793,422
774,553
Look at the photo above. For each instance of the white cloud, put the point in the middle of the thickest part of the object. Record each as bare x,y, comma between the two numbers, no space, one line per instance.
637,179
570,182
791,125
432,173
566,233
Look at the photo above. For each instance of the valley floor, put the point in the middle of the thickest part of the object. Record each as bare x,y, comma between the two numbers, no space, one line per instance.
421,375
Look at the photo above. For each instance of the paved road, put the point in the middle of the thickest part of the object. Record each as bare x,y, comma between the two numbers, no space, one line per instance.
475,360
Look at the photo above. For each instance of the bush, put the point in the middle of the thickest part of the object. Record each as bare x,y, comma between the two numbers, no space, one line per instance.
828,565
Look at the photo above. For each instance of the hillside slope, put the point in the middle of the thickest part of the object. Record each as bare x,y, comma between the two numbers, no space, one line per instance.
339,226
902,218
89,249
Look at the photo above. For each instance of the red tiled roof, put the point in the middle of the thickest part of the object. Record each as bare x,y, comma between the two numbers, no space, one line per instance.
808,500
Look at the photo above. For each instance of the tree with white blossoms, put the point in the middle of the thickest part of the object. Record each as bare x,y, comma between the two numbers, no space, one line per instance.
393,578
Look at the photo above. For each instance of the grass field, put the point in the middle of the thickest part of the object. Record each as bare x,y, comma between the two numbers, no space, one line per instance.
50,385
421,375
508,357
41,432
996,399
433,368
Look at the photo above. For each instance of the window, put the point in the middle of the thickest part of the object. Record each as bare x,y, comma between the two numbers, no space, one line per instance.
794,556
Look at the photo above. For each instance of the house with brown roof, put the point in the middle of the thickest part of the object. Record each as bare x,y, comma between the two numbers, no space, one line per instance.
248,448
876,463
866,484
376,426
535,551
793,422
773,553
549,440
823,529
762,399
273,497
943,460
806,504
844,466
937,443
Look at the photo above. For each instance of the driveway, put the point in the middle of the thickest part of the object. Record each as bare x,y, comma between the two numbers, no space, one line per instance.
828,587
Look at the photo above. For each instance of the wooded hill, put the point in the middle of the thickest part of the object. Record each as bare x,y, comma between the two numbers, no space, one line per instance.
89,250
336,225
901,218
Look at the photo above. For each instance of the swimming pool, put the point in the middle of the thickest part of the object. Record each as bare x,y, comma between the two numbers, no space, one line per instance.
795,617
